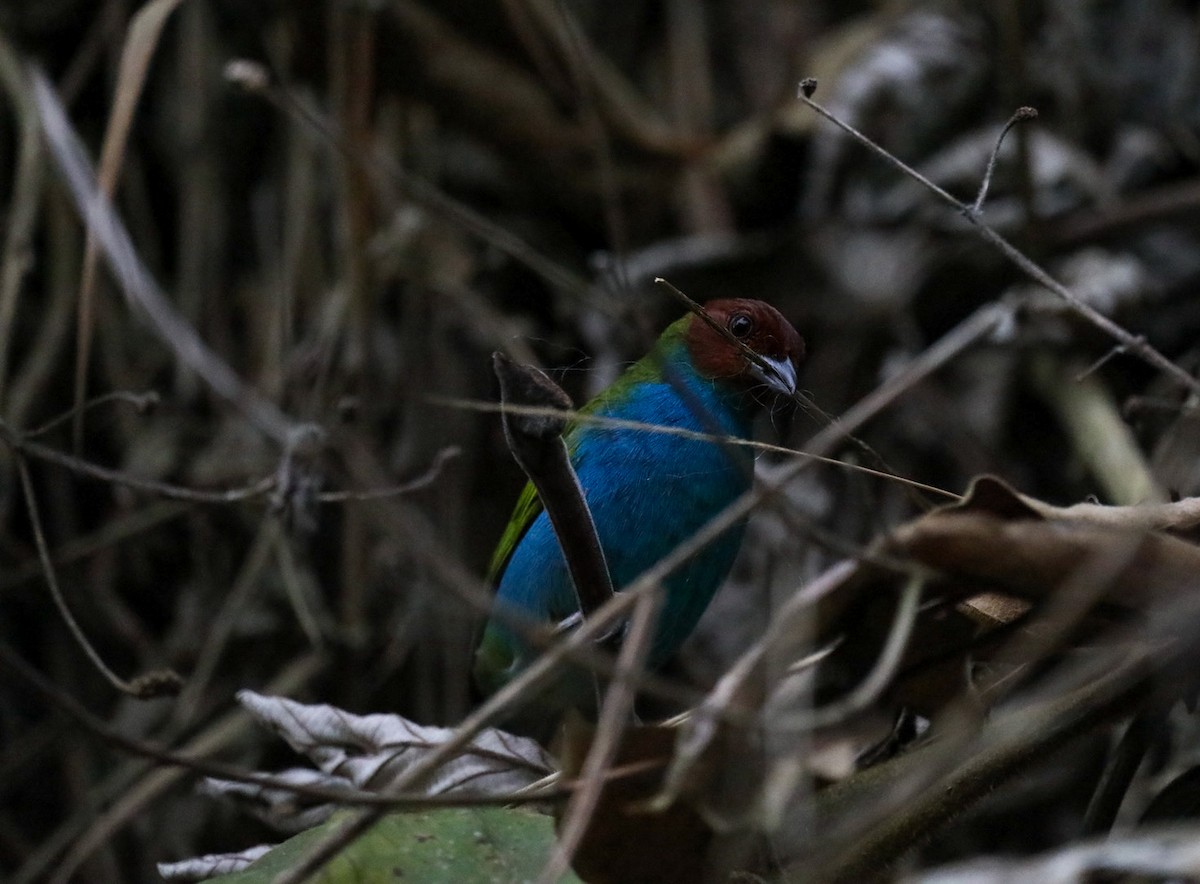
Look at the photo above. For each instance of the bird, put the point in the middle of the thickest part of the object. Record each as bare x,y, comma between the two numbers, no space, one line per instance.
647,491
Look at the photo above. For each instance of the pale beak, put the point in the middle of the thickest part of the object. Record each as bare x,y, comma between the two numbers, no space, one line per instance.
780,375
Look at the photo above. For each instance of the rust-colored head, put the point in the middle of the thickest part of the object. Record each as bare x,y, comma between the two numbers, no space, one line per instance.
760,327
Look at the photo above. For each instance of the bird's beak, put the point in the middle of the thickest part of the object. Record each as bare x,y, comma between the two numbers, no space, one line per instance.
780,376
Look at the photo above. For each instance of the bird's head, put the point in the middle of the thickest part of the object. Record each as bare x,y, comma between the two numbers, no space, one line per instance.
764,332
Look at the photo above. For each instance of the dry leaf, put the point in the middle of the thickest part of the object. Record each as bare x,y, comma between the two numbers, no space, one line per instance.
282,808
201,868
991,560
373,751
1161,856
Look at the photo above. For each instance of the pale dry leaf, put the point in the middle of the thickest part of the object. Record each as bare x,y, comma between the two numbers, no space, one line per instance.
213,865
997,553
140,45
1164,855
373,751
280,807
1180,517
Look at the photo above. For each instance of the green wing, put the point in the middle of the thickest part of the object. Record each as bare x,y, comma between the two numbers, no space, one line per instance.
527,509
495,654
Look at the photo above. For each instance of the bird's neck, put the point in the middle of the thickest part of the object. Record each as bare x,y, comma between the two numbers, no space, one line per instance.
665,384
711,400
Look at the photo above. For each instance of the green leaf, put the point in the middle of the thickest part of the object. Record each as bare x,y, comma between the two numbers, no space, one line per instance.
458,845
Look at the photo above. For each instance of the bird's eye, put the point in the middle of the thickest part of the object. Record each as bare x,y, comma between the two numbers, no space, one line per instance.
740,325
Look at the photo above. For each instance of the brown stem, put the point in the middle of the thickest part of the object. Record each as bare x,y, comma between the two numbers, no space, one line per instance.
537,444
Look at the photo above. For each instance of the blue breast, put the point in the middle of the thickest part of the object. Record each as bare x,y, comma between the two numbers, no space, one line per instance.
648,492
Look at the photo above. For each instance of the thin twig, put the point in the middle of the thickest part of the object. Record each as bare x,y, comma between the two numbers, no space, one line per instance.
108,534
143,402
24,205
807,403
136,282
698,309
551,789
873,819
63,701
1021,113
1113,352
978,326
421,191
129,790
739,693
38,451
226,619
581,417
614,719
1134,343
881,674
258,488
140,41
427,478
144,687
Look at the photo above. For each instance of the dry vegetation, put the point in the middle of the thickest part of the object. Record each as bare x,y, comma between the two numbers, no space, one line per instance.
265,465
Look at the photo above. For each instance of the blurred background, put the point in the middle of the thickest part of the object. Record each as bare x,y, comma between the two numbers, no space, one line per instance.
355,203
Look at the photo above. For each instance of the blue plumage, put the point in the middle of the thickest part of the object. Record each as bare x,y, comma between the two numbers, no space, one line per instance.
648,492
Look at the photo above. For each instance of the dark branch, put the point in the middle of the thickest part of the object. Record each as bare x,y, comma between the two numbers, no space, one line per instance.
537,444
